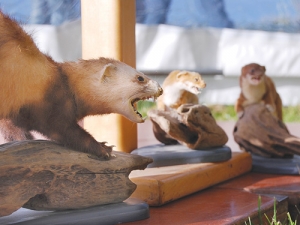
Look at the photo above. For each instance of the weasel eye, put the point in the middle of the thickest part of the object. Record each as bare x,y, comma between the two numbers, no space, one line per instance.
140,78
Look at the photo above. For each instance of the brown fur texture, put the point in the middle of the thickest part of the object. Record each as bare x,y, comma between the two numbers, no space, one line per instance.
180,87
39,94
257,87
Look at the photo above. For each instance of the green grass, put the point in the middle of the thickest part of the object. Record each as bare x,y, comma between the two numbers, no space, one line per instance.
273,220
223,112
227,113
144,106
291,114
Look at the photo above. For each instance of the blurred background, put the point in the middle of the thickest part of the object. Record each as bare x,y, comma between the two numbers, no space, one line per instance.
267,15
213,37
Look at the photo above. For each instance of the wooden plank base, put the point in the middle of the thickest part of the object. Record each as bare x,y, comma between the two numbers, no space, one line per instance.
158,186
272,185
216,206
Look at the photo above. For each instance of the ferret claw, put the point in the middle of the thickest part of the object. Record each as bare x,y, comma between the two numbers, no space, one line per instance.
270,108
240,114
107,156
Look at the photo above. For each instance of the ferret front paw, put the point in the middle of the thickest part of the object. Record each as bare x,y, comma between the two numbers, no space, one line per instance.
270,108
240,114
105,152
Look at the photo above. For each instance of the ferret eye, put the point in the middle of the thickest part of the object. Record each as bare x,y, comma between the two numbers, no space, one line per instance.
140,78
196,79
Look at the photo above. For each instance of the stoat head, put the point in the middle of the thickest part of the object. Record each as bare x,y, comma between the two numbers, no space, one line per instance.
192,81
253,73
118,87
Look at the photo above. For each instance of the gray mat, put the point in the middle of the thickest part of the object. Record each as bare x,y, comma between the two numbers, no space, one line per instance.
127,211
168,155
276,165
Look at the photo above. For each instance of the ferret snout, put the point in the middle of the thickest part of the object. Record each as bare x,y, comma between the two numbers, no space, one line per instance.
155,85
160,90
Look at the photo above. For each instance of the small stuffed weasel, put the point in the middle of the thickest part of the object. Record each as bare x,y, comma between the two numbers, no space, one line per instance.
39,94
180,87
257,87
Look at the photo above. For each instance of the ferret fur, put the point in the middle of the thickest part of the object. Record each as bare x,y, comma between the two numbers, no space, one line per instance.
257,87
180,87
37,93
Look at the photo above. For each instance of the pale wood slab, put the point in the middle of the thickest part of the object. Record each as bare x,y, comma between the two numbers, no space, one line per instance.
43,175
158,186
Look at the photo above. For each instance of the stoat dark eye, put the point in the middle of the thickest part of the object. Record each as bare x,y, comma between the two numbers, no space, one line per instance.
140,78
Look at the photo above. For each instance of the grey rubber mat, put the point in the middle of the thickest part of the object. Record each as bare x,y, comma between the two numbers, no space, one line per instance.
276,165
127,211
168,155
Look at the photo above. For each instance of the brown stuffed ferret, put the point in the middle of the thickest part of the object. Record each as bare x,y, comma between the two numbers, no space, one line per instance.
257,87
37,93
180,87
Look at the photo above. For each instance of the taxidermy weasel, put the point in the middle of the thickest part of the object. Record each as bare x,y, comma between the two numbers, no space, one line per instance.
180,87
257,87
37,93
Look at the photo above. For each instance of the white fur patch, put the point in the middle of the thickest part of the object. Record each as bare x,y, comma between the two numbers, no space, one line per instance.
172,93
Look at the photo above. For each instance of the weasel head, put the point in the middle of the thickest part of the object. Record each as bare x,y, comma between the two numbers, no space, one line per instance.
253,73
192,81
118,88
145,89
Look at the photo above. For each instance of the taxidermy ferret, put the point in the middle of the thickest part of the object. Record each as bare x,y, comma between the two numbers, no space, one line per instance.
180,87
37,93
257,87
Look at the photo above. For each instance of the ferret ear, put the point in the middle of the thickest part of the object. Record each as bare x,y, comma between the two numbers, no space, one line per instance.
181,73
105,72
264,68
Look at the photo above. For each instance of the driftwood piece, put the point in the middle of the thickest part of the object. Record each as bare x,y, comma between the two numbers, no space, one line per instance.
43,175
191,125
259,132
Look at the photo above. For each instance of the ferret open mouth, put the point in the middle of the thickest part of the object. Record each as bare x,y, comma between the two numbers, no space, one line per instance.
255,78
197,89
134,103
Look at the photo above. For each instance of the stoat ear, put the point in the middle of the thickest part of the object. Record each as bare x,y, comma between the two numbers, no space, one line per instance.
106,71
181,73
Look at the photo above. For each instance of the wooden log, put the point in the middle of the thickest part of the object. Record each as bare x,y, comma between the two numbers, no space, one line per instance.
259,132
191,125
43,175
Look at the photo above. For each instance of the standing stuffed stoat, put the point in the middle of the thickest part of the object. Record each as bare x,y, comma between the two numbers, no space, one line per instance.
257,87
180,87
37,93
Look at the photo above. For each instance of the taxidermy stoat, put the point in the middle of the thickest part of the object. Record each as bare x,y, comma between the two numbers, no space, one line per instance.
180,87
37,93
257,87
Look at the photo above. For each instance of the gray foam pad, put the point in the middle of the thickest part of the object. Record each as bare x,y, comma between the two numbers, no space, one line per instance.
168,155
127,211
276,165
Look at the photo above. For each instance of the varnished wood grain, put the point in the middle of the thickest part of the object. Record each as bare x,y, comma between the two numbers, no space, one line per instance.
157,186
